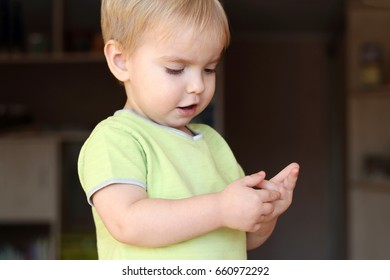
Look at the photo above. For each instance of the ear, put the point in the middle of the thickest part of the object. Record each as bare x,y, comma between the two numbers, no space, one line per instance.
116,60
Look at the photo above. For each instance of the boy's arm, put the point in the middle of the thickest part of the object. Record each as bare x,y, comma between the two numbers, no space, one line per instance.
133,218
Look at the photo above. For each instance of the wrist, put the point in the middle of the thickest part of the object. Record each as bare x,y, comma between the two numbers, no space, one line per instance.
266,228
220,209
256,239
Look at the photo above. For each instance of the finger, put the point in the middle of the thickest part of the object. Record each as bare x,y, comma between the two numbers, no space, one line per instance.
268,185
282,175
268,209
254,179
291,179
263,175
255,227
268,195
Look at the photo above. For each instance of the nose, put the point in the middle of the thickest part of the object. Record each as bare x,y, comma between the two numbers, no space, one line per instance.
196,84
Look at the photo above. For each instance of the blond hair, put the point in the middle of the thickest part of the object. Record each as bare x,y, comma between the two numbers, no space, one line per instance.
125,21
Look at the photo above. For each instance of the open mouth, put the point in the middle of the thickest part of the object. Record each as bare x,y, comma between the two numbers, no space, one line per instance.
188,110
190,107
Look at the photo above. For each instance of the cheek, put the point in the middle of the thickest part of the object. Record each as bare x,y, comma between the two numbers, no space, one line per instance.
167,87
210,88
158,80
163,94
150,83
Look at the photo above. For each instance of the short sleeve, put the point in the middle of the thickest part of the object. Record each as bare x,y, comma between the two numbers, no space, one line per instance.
111,156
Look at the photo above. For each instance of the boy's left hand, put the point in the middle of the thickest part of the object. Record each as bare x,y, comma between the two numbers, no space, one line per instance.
284,182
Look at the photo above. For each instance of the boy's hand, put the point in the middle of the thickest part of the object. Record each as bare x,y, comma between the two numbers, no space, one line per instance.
245,208
284,183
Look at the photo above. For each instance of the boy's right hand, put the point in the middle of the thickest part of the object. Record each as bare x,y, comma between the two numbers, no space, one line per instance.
243,207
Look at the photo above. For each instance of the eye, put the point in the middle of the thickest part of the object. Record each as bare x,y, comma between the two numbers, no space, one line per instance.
210,71
174,71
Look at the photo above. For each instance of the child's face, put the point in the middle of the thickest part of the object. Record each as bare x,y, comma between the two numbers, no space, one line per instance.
172,80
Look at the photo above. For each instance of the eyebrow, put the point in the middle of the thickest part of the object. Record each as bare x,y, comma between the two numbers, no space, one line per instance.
185,61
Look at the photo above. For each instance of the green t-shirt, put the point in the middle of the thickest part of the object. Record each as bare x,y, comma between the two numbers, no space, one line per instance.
168,164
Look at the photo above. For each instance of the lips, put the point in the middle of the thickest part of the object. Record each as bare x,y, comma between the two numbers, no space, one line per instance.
187,110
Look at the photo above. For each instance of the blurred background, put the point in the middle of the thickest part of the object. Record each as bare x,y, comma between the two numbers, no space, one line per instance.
305,81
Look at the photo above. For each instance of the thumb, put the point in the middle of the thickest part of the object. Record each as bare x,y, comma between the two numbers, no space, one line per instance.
292,178
282,175
254,180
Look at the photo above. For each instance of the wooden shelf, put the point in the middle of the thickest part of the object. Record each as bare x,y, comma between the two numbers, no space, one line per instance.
53,31
375,185
368,118
39,173
40,193
378,92
26,58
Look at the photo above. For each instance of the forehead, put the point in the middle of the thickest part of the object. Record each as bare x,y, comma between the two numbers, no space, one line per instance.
187,48
182,38
167,28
